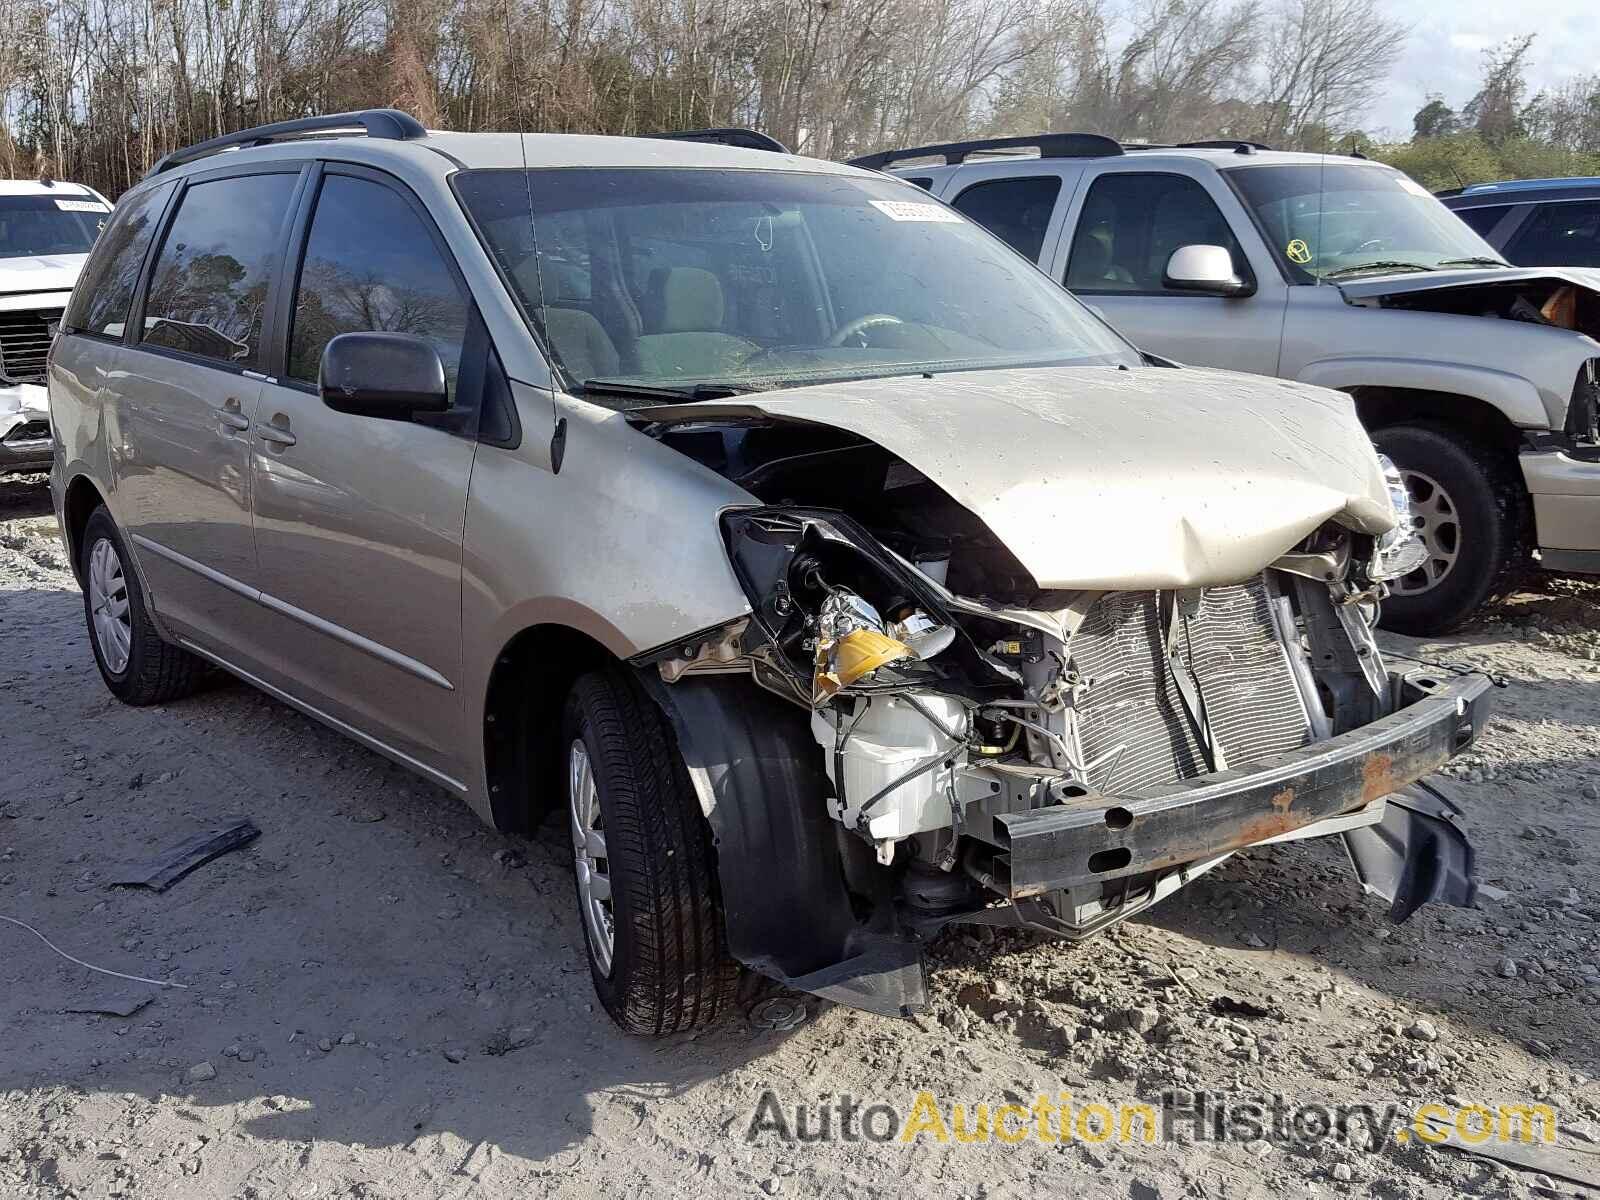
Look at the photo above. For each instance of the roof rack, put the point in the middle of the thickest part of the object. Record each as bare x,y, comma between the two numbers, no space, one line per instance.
1049,145
1237,145
389,123
747,139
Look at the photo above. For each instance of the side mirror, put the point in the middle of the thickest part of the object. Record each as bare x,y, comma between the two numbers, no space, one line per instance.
1204,269
392,375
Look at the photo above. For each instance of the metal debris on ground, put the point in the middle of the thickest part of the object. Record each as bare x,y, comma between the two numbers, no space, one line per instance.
779,1013
1573,1164
161,872
1233,1006
112,1006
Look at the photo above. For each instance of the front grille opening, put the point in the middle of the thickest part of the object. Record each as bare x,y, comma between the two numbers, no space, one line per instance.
25,343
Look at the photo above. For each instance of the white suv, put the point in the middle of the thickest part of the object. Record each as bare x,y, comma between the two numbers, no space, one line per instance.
46,230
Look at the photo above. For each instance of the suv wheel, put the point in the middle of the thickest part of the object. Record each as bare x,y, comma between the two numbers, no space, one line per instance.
136,664
646,880
1471,513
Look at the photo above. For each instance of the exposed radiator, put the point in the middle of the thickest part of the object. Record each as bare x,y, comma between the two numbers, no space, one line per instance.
24,342
1132,702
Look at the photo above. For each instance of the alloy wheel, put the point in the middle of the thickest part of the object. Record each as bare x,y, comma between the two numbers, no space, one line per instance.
1436,521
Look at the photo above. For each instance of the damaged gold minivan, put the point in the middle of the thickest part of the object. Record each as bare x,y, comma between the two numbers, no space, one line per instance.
827,571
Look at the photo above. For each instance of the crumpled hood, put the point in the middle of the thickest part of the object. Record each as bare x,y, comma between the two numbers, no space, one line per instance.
1097,477
40,273
1411,282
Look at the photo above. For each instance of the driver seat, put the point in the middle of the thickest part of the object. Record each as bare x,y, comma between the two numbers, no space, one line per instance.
684,310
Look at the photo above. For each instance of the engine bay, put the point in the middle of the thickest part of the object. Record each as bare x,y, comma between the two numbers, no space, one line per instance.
947,692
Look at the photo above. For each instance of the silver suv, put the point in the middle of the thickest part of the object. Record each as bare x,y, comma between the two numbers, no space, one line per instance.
832,574
1477,378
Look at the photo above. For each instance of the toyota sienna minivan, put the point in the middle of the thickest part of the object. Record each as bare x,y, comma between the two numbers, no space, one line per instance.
831,574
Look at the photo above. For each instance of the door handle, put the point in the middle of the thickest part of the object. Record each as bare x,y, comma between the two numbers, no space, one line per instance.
230,416
275,433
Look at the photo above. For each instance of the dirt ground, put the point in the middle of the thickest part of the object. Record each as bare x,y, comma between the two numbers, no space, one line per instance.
385,999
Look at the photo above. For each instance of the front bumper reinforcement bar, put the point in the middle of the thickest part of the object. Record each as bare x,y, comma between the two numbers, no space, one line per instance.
1089,839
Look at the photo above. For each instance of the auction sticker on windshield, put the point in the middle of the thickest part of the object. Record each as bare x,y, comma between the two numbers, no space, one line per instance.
81,206
911,210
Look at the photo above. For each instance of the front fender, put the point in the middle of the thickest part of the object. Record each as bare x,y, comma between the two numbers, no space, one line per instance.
1512,395
781,867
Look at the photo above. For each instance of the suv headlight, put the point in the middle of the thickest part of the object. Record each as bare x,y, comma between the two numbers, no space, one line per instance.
1583,411
1398,552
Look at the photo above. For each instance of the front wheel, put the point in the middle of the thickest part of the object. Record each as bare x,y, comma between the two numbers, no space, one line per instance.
645,875
1470,511
135,663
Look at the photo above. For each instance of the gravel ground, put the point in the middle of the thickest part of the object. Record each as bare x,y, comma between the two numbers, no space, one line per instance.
383,998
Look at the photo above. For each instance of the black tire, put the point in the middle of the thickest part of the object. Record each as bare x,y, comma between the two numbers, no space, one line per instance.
156,671
669,967
1492,516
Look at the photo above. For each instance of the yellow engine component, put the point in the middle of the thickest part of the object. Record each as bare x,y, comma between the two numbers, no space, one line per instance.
853,656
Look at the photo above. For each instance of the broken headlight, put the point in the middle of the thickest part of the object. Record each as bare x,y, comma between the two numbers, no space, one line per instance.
851,644
1398,552
839,609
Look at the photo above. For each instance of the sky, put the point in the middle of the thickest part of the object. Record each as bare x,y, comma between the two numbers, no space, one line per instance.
1445,50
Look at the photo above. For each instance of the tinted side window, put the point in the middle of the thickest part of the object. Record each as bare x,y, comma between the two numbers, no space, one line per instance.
208,292
1131,224
925,182
371,264
1017,211
1482,220
105,289
1559,235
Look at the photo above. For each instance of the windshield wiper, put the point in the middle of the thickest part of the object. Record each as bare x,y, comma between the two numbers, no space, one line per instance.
1477,260
649,391
1380,265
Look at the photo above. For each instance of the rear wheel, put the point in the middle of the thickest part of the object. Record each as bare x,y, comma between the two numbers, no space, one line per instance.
135,663
1470,511
645,876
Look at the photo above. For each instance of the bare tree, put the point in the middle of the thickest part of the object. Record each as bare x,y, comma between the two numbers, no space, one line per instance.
1324,61
98,89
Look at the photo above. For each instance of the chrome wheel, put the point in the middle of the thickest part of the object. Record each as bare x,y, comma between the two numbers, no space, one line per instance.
589,853
1434,516
108,605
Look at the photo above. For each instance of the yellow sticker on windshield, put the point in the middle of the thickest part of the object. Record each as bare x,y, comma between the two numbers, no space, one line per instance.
1298,251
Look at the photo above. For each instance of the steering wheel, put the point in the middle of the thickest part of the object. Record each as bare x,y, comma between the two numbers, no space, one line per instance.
860,325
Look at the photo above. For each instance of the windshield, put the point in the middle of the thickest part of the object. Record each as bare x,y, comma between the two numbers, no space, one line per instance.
703,279
1343,220
32,225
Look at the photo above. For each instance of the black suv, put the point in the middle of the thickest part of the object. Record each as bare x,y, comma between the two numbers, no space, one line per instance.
1535,222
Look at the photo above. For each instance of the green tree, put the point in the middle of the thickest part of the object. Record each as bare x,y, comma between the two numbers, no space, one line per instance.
1497,113
1434,119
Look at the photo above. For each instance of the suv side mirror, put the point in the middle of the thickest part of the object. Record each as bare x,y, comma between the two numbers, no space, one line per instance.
392,375
1204,269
